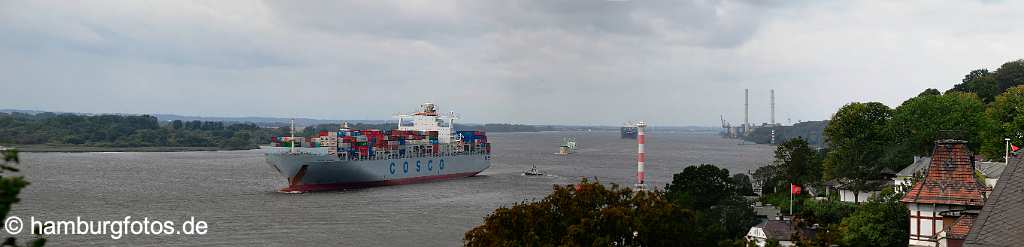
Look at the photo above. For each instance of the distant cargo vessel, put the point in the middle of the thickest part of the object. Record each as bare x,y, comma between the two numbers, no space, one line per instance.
628,131
424,149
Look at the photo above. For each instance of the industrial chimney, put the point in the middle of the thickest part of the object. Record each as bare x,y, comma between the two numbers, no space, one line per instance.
773,106
746,112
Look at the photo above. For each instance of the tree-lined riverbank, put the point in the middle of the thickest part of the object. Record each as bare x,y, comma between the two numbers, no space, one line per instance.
44,148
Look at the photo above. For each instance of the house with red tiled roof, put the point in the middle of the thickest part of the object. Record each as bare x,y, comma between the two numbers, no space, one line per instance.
948,189
955,232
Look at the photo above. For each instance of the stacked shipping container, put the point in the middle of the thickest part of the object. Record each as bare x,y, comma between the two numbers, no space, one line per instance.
377,144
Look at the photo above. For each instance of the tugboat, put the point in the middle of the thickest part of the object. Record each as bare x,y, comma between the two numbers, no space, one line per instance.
533,172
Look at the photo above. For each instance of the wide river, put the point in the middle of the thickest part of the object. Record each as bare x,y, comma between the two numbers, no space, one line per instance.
234,192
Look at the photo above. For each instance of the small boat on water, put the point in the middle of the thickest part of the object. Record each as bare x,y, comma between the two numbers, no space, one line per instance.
568,146
533,172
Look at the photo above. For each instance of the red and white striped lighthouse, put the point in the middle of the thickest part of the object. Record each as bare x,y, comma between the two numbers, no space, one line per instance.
640,154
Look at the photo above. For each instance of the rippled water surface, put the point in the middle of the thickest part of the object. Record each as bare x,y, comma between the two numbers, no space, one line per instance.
235,192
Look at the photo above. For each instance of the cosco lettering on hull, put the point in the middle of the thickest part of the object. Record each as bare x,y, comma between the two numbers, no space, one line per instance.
393,167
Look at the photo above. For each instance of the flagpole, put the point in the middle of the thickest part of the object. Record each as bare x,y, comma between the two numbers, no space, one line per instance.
1006,159
791,200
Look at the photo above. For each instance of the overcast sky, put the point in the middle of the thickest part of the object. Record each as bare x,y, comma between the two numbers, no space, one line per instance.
536,61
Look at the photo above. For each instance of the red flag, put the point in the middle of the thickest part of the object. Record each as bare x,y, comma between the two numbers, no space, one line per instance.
794,189
1014,148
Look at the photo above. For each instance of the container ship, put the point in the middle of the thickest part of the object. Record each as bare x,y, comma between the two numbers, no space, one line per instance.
423,149
628,131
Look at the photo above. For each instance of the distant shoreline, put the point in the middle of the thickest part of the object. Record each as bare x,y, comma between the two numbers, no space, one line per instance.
71,148
46,148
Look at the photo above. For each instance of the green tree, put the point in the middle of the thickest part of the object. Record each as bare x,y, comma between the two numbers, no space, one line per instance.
975,74
239,140
712,194
827,236
825,212
1010,74
768,178
700,187
730,219
980,82
10,187
588,214
882,221
743,184
1007,121
930,91
858,144
737,243
798,162
919,121
126,131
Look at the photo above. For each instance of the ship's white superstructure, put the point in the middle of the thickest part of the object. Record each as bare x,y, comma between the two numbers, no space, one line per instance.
429,120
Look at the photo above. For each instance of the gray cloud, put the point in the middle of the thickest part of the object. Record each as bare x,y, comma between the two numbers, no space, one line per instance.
702,23
530,61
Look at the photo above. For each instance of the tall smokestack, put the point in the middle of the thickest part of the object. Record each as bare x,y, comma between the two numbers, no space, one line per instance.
640,154
773,106
746,111
291,149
